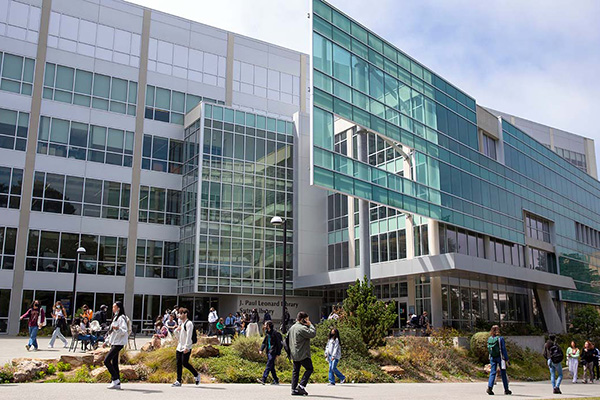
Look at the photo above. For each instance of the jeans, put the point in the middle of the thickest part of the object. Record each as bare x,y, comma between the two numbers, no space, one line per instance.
308,366
183,360
334,371
87,338
555,369
33,331
57,334
495,364
270,368
111,362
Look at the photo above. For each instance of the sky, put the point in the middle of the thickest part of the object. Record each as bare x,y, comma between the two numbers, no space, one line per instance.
537,59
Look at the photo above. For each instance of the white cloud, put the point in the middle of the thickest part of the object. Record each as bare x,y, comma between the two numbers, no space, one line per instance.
537,59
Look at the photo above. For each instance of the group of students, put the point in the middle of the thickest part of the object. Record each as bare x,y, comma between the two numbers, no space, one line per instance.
589,357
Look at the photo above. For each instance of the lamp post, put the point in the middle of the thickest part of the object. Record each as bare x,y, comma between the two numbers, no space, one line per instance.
277,221
80,251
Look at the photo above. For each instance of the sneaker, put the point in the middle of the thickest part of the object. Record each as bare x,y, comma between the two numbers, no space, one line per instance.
66,346
302,391
50,346
197,379
275,383
260,381
115,385
27,347
507,392
558,391
490,391
176,384
34,349
343,381
331,384
296,393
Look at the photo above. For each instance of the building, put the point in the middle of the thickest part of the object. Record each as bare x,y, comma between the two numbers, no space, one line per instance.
92,148
467,215
164,147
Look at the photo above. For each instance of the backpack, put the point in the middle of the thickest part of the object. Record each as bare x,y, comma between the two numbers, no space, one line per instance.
556,354
194,335
493,345
286,346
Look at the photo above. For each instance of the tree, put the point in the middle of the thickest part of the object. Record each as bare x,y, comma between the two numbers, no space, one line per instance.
586,321
372,317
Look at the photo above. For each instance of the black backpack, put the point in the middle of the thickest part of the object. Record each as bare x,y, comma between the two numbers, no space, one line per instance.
194,335
556,354
286,346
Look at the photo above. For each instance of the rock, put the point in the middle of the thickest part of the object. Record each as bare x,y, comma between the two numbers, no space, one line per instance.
128,372
208,340
393,370
28,369
147,347
99,355
205,352
95,372
77,360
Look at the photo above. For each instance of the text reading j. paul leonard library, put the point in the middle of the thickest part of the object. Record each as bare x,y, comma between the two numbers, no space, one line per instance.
164,147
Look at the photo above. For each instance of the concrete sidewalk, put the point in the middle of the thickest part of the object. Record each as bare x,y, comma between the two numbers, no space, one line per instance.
413,391
14,347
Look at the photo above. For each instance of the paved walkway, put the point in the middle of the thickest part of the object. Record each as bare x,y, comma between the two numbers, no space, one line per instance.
14,347
412,391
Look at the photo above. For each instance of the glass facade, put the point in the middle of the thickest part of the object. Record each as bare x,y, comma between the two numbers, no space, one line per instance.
365,80
237,175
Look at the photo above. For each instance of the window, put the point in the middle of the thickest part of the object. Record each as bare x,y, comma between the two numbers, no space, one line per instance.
162,154
49,251
587,235
14,126
10,187
84,88
159,206
80,196
537,228
16,73
167,105
157,259
8,241
63,138
489,146
541,260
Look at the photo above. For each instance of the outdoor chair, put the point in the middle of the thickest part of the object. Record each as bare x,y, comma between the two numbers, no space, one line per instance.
131,337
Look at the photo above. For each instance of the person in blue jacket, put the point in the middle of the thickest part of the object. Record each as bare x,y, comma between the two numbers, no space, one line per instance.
498,359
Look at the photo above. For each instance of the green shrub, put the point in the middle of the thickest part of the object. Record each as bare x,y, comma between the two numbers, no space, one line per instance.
479,349
350,337
6,374
51,369
62,366
247,348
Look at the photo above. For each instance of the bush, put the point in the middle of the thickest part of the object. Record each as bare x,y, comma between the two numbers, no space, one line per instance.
6,374
62,366
51,369
479,349
248,347
350,337
586,322
372,317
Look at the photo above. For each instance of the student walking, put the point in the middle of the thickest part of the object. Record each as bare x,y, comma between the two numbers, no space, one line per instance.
272,344
587,359
36,321
184,348
573,354
119,334
596,363
498,359
333,353
59,321
299,344
554,356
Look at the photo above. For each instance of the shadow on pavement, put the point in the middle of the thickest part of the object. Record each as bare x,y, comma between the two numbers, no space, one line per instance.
145,391
330,397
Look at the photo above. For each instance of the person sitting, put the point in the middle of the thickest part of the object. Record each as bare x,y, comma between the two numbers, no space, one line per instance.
160,332
414,322
86,312
238,322
100,316
171,323
243,328
85,333
220,327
